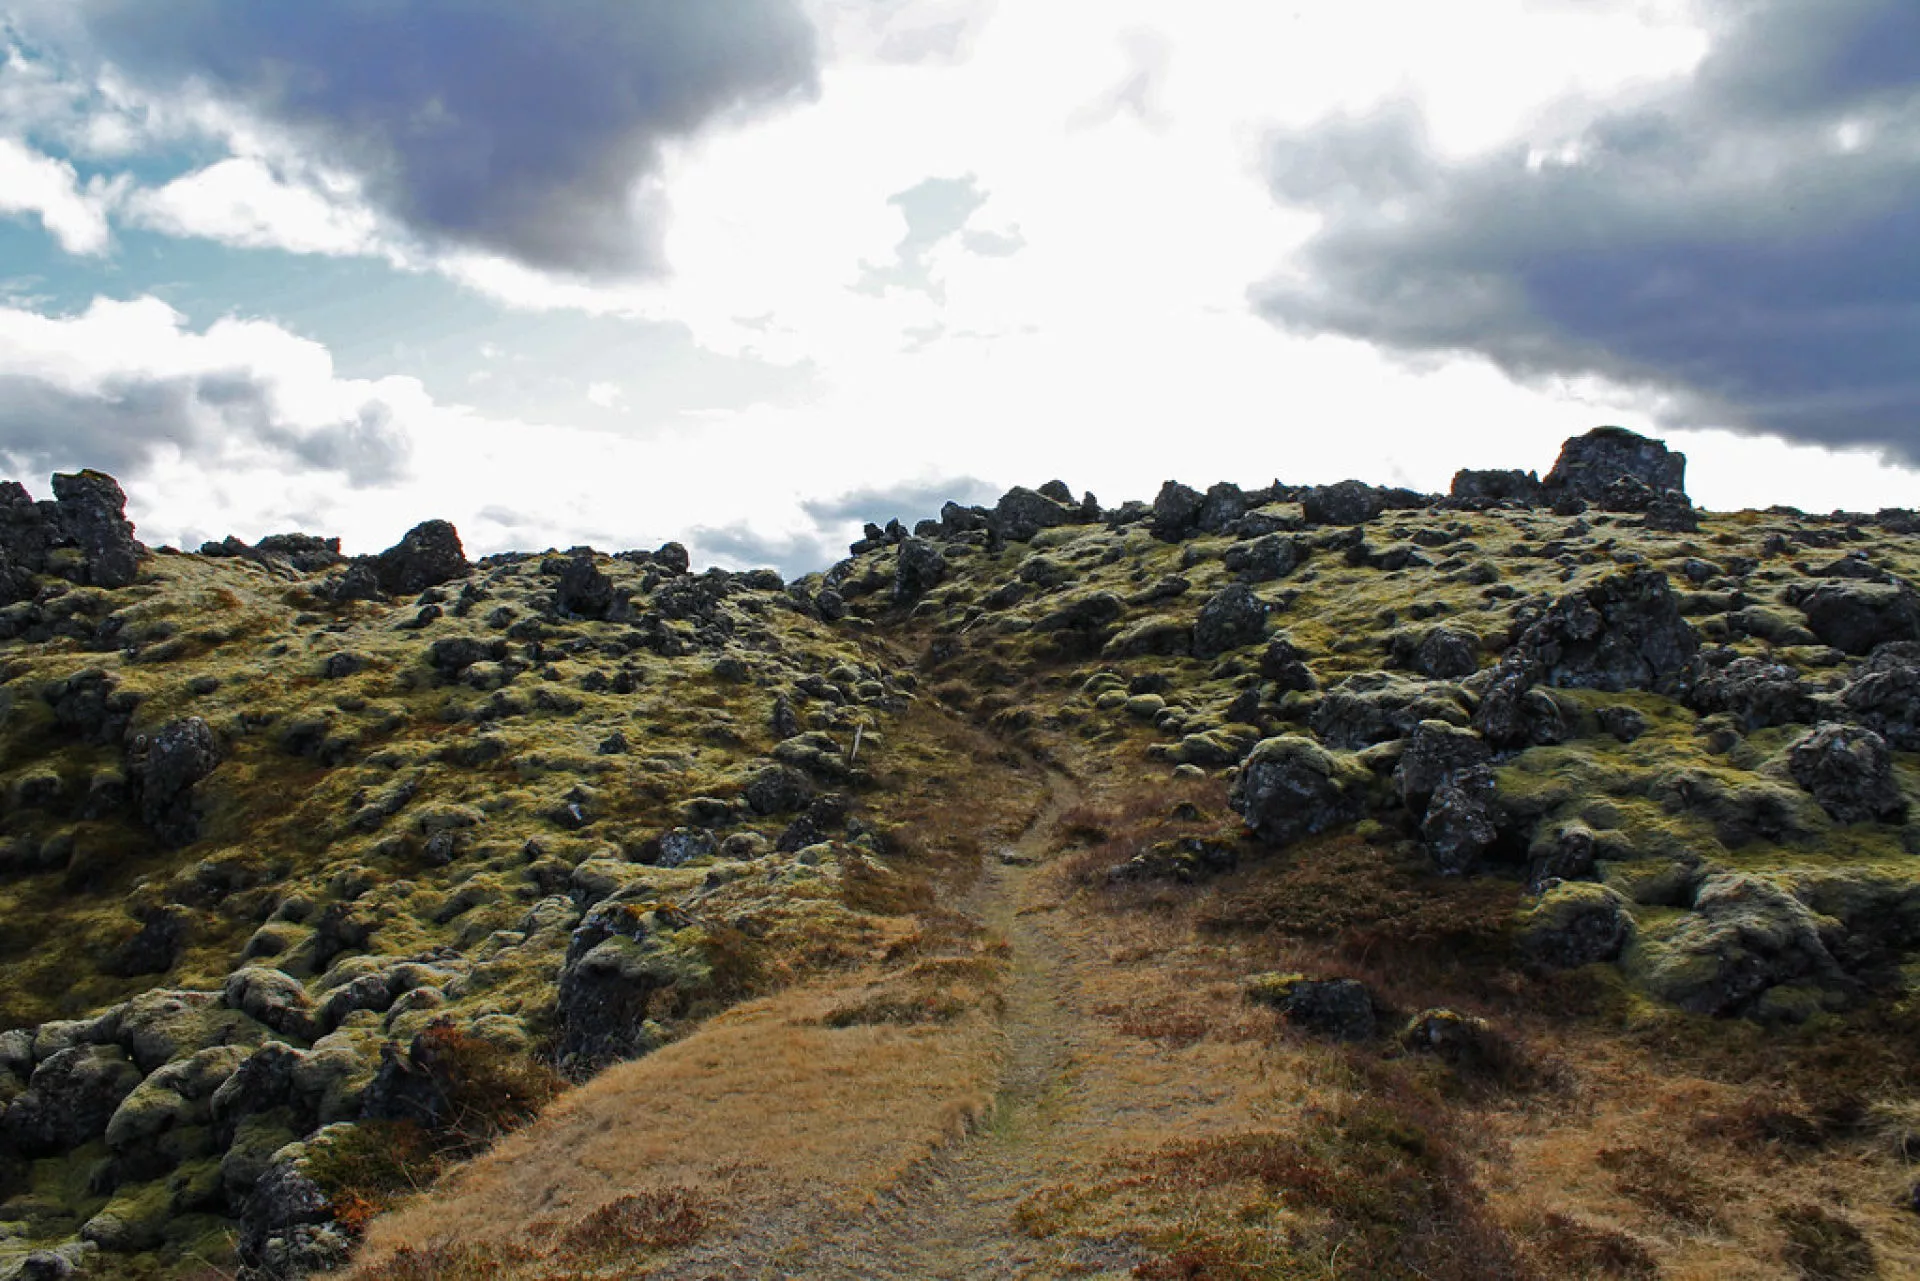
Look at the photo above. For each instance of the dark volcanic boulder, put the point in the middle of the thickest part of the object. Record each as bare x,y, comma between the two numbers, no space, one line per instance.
1436,752
1264,559
69,1100
1857,616
1374,707
1354,502
1232,618
1756,692
1290,787
92,517
581,589
1176,512
167,765
1459,823
1624,632
1447,653
428,556
620,956
1497,487
1338,1008
1884,694
1589,464
1224,505
1850,772
920,567
1577,923
1021,513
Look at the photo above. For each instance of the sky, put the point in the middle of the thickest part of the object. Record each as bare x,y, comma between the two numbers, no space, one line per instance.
747,273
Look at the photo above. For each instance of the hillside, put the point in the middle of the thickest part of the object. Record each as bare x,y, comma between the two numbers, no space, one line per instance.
1301,882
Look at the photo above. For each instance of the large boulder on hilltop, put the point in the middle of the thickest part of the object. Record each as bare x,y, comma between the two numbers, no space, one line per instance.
1223,506
1471,486
581,589
429,555
1588,465
1849,771
86,520
1624,632
1176,512
1857,616
1291,787
92,518
920,567
1021,513
1354,502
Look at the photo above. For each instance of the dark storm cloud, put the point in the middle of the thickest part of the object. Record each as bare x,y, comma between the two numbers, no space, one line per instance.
519,128
1742,242
123,424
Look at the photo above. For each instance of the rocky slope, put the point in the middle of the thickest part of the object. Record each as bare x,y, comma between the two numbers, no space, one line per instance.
298,850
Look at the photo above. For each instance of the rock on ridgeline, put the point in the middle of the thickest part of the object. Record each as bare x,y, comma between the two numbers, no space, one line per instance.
82,535
428,556
1590,465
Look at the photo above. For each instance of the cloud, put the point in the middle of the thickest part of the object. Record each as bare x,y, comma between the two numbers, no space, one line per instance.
896,32
242,201
1737,243
1141,87
906,501
532,132
739,546
74,213
124,385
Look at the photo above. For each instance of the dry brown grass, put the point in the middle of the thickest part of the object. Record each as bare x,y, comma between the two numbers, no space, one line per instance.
765,1104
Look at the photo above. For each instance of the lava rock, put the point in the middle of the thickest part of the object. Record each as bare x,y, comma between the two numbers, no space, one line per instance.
1849,771
1447,653
1233,618
1353,502
1744,937
1624,632
1176,512
1884,694
1491,487
1589,464
1338,1008
582,589
1290,787
920,568
1265,559
91,515
1374,707
69,1100
166,767
429,555
1021,513
1575,924
1756,692
1857,616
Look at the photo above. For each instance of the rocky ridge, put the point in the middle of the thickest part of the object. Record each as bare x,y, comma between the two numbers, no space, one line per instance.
291,833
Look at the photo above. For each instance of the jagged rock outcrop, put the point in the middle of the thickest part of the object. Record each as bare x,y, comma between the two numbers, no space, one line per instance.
429,555
1590,466
82,535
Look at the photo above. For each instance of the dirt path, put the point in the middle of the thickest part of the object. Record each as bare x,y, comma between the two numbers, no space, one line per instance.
955,1216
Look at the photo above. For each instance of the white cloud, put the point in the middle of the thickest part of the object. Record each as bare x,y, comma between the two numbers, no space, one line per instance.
605,395
73,212
241,201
